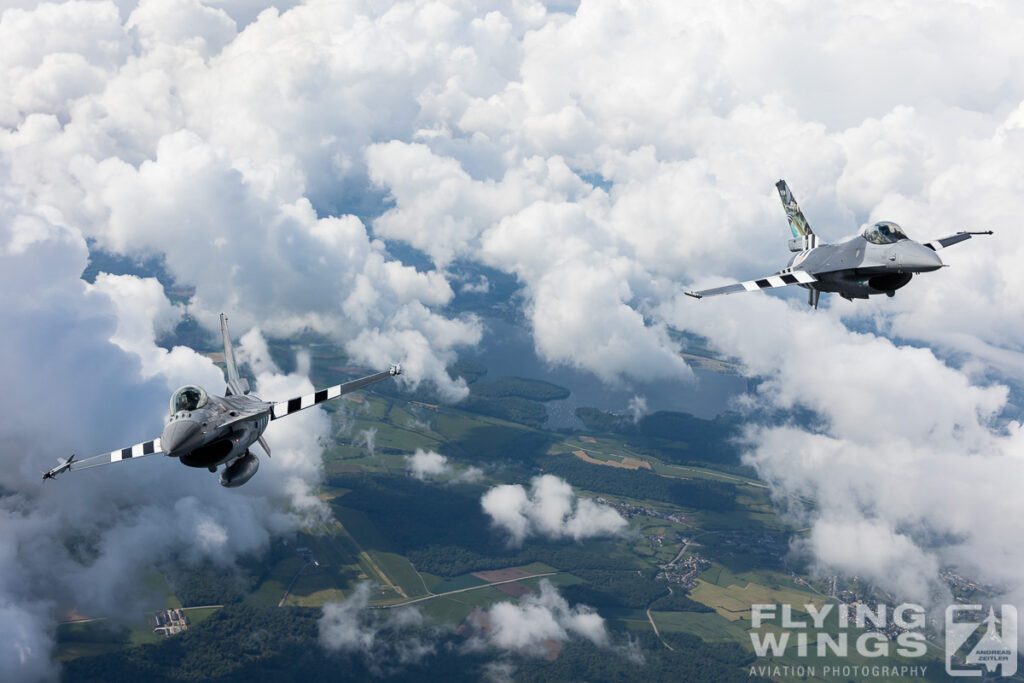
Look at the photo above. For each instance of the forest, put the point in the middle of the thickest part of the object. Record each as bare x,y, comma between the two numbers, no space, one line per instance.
243,642
444,531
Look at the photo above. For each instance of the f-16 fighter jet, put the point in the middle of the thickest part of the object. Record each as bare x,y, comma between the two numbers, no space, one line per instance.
210,431
878,261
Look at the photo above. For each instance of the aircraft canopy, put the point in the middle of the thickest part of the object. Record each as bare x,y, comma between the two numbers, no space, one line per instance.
884,232
189,397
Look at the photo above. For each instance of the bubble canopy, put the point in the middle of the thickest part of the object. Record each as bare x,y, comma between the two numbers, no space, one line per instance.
189,397
884,232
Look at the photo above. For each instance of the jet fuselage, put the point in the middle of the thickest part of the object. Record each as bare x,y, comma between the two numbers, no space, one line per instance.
218,432
857,269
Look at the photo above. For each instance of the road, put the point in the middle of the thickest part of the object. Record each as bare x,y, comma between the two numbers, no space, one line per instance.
89,621
689,542
292,584
465,590
365,556
650,618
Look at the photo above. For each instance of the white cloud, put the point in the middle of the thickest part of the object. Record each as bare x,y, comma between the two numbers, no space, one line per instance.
367,438
351,626
423,464
173,23
638,408
428,464
871,548
84,358
547,226
342,625
143,312
908,464
540,617
550,509
241,149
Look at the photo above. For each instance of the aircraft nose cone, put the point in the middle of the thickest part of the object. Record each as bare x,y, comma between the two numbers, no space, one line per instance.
921,259
180,436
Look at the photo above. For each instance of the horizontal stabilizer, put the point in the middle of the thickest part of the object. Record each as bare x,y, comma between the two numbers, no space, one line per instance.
796,277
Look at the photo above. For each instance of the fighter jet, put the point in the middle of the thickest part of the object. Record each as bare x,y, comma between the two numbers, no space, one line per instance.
210,431
878,261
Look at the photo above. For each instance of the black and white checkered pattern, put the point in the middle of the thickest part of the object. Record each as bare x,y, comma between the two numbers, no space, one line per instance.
783,279
294,405
139,450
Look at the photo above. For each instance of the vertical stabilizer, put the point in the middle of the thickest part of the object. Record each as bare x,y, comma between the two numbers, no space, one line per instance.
236,385
803,237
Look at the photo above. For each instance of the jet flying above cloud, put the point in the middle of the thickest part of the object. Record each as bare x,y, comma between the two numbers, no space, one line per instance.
210,431
880,260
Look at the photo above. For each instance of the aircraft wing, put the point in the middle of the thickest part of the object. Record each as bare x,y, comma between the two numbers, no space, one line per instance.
139,450
795,277
959,237
294,405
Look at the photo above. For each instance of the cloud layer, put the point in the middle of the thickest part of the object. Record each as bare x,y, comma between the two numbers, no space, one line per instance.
90,378
266,155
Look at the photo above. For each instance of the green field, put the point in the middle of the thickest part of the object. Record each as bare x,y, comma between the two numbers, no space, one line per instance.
401,572
731,595
384,521
708,626
198,615
453,609
458,583
272,589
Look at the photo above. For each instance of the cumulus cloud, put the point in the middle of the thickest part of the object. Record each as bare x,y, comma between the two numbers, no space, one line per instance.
340,626
84,357
350,626
907,462
545,225
428,464
422,464
529,626
550,509
145,175
265,152
540,618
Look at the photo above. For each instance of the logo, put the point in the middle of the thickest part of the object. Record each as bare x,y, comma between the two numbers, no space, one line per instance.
974,644
981,641
837,631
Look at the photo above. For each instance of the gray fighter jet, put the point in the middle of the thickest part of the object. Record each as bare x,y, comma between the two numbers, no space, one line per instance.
878,261
210,431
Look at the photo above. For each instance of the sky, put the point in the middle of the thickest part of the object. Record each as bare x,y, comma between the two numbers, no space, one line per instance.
608,155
